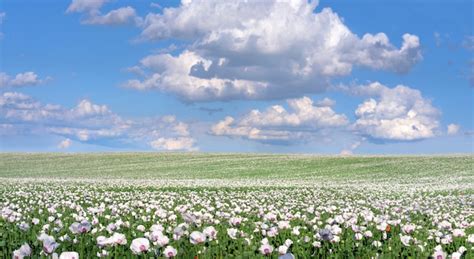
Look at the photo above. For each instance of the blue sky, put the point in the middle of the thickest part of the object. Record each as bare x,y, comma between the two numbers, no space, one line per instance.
98,75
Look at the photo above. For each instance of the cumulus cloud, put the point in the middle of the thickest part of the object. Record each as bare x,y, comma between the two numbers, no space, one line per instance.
85,5
400,113
87,108
300,122
121,15
261,50
93,15
20,79
64,144
90,123
172,144
453,129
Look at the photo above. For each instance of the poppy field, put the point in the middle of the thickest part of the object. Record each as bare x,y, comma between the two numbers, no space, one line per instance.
148,205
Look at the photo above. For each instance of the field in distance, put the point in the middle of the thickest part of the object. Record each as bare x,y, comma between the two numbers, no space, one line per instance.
234,166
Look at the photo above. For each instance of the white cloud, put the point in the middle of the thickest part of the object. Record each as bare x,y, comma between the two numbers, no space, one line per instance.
21,79
453,129
89,122
261,50
175,78
326,102
173,144
302,121
93,15
85,5
118,16
64,144
399,113
87,108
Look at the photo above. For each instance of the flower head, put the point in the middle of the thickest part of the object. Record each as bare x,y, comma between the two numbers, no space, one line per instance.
24,250
170,252
69,255
197,237
140,245
266,249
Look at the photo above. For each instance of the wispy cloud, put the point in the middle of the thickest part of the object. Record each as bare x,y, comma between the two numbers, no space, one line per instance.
90,123
21,79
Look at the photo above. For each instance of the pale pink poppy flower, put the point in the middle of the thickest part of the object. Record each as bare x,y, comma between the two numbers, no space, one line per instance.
470,238
232,233
197,237
368,233
159,238
462,249
80,228
157,227
170,252
118,238
49,243
24,250
282,250
283,224
271,217
141,228
69,255
377,243
235,221
459,232
210,232
409,228
272,232
405,240
140,245
439,254
445,224
103,241
266,249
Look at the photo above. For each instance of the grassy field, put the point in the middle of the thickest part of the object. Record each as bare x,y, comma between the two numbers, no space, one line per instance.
232,166
188,205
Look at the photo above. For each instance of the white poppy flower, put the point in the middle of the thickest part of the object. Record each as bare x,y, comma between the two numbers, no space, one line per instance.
170,252
140,245
69,255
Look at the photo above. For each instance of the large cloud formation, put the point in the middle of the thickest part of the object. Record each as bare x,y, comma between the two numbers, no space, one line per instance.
261,50
302,121
90,123
387,114
400,113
